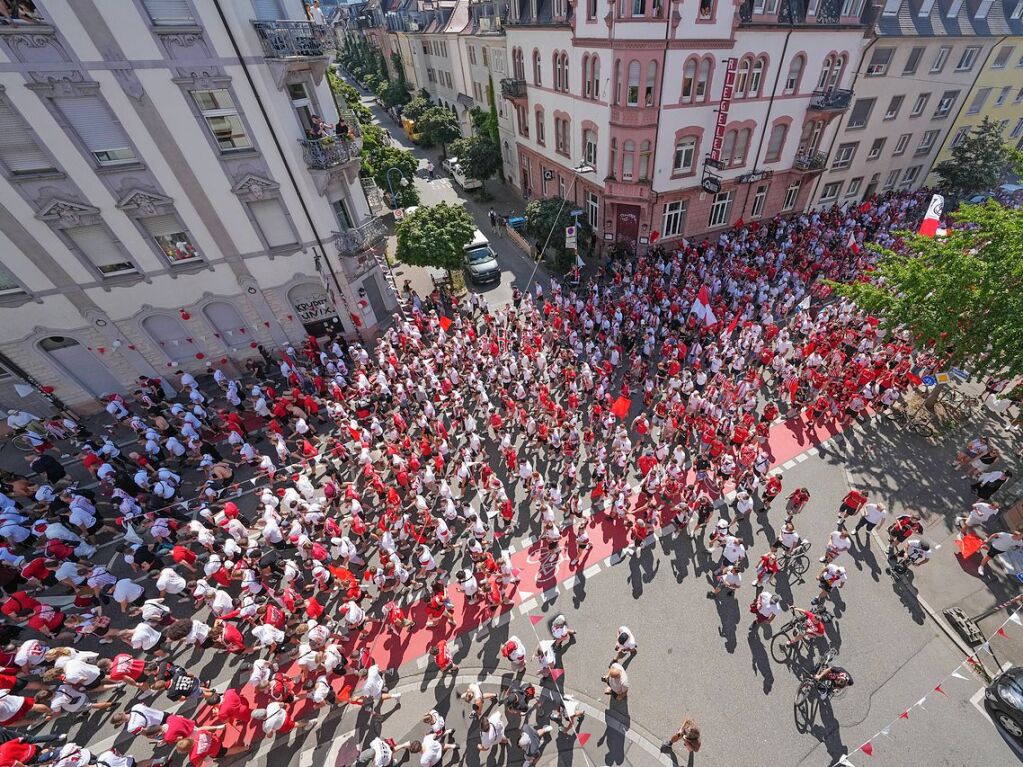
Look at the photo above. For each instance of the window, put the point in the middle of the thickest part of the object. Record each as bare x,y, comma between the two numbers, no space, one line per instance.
759,201
893,177
854,187
628,160
638,7
19,151
498,60
222,119
590,147
910,177
688,80
893,108
536,68
341,214
1017,130
860,113
920,104
734,146
632,94
776,142
978,101
685,155
741,78
948,98
876,148
891,7
651,84
645,152
791,195
961,135
100,249
706,10
914,60
592,208
673,222
879,60
8,286
901,144
541,134
926,142
720,208
521,119
795,74
703,78
1002,59
941,58
272,222
168,12
171,237
1003,94
765,7
831,191
562,141
844,155
756,78
104,138
968,58
852,8
591,13
982,11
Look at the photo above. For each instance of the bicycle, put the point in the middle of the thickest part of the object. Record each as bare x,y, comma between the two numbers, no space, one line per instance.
962,402
809,685
794,562
782,651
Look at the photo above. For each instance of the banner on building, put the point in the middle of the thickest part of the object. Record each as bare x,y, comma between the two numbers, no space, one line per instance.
722,119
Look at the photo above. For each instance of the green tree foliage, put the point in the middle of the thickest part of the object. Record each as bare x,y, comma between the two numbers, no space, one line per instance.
382,72
435,236
386,157
479,157
392,94
548,218
399,67
962,293
978,163
438,126
416,108
347,94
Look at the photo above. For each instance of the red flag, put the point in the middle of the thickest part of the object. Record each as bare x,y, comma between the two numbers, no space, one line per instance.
534,619
557,673
853,245
929,226
904,715
445,323
621,407
732,324
867,748
1001,632
913,378
583,738
938,689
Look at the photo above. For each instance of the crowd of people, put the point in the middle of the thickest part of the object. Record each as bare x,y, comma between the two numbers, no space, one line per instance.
299,517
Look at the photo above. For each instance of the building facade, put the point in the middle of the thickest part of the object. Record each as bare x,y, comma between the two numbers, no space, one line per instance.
624,108
164,206
918,87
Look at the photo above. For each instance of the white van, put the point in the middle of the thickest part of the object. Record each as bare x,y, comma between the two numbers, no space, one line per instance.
451,166
480,262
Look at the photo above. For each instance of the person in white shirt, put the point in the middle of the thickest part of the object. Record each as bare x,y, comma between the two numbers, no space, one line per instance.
492,731
432,749
140,719
873,514
768,607
838,543
979,514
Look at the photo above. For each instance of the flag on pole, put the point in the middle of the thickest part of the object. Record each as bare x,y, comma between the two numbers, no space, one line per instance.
805,303
867,748
929,226
621,407
701,307
732,324
852,244
444,322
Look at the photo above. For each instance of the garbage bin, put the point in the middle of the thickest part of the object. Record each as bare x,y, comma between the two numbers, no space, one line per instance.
518,223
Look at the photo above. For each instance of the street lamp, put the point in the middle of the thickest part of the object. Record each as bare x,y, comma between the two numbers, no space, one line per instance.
390,187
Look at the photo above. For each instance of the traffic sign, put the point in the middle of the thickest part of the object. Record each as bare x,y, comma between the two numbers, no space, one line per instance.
576,212
929,380
399,214
960,373
1019,576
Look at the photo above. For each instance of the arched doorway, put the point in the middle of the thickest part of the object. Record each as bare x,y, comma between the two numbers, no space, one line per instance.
172,337
228,323
313,309
81,365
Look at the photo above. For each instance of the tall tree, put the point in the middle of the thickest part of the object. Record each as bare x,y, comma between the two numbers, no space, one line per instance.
548,218
977,163
416,108
383,159
438,126
435,235
479,157
963,293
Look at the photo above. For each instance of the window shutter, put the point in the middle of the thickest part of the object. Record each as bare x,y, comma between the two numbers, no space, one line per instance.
93,123
18,150
272,222
168,12
267,10
97,245
163,226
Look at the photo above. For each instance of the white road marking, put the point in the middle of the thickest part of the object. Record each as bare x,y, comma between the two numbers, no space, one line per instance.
788,464
570,583
592,570
801,457
525,607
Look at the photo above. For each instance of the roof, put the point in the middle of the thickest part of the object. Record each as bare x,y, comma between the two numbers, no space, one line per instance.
908,22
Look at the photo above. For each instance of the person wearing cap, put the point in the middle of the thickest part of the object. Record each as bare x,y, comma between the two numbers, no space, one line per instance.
617,681
766,607
561,632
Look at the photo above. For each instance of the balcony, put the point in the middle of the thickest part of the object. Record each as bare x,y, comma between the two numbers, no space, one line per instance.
325,153
831,100
283,40
635,117
628,190
352,242
810,162
789,13
513,89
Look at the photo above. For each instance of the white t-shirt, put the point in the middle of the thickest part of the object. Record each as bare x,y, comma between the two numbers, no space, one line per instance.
30,653
79,672
126,590
382,754
141,717
113,759
836,541
144,637
433,750
276,716
68,699
981,513
767,608
874,514
10,705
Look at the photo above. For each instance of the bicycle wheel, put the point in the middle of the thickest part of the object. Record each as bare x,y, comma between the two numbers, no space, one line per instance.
800,565
781,650
23,443
804,694
922,428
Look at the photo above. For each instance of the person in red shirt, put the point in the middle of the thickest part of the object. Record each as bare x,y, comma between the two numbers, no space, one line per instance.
442,656
852,503
233,708
771,490
18,604
125,668
206,745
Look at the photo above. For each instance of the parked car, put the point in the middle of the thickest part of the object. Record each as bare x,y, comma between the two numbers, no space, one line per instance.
451,166
480,263
1003,699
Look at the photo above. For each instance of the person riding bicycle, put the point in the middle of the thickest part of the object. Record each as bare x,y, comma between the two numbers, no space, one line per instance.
813,626
831,678
787,539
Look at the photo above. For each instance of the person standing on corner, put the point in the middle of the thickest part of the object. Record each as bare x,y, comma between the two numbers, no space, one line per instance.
689,733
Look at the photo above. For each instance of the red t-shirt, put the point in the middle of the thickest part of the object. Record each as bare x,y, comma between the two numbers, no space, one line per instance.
178,727
36,569
233,707
124,666
18,602
16,750
205,744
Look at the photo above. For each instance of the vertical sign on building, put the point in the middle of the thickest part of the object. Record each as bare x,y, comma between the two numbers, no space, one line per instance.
726,99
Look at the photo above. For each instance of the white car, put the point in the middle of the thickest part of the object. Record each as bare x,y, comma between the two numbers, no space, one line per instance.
451,166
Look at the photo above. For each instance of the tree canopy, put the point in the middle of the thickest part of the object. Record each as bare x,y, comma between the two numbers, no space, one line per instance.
962,293
435,235
438,126
392,93
549,217
416,107
385,157
479,157
977,163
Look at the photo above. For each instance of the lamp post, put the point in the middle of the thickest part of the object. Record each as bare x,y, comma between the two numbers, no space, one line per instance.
403,182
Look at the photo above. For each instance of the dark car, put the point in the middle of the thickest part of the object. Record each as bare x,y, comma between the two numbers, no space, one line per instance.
1003,699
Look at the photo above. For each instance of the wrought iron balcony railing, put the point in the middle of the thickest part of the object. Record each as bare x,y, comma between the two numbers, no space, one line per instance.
351,242
295,39
833,99
512,88
810,161
326,153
